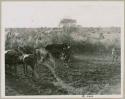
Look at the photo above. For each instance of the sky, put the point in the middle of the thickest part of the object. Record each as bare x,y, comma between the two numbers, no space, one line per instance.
49,13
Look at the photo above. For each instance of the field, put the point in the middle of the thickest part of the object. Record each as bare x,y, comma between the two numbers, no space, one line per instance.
90,71
88,74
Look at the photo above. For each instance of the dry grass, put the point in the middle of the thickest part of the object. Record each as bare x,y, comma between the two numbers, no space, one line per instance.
87,74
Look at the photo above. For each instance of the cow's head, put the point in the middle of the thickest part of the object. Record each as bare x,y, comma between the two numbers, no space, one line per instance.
40,54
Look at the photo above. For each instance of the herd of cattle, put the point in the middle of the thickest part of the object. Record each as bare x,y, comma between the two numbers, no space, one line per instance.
28,56
31,57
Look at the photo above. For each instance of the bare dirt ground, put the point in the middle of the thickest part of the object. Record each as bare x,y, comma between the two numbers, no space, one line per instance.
95,74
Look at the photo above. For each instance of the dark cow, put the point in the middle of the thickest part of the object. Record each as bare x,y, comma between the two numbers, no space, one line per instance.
67,54
30,60
15,57
18,56
60,51
37,57
55,49
12,59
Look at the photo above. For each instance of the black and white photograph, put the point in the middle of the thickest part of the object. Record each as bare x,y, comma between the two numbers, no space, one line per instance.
64,49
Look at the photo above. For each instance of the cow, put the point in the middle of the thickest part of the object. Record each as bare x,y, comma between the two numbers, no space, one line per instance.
115,54
60,51
30,60
55,49
15,57
12,59
39,55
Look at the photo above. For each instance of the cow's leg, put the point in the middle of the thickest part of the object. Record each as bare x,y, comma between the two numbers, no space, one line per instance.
66,62
116,58
11,69
113,59
24,69
32,67
15,70
35,75
7,69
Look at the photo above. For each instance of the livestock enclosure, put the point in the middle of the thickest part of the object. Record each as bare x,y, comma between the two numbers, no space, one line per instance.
90,71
